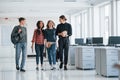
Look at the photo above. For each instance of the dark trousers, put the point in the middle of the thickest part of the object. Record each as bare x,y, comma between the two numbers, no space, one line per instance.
39,53
63,49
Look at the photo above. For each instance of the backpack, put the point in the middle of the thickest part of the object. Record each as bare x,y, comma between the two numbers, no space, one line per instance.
15,37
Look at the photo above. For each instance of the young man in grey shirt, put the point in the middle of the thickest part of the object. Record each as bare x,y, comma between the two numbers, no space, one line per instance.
21,44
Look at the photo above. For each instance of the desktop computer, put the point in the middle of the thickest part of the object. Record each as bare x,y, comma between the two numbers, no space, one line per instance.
79,41
114,41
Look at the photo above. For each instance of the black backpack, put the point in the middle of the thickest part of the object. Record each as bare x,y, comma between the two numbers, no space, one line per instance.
15,37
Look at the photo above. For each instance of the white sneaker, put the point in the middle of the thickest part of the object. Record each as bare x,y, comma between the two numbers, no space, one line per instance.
53,67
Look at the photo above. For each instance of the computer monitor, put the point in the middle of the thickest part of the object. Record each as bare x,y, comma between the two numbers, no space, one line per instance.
114,40
97,40
88,40
79,41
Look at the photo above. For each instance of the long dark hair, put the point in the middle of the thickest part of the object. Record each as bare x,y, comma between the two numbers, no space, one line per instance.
38,26
49,22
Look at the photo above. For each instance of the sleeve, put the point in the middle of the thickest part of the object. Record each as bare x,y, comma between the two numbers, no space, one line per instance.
70,30
45,34
26,33
55,34
57,30
34,36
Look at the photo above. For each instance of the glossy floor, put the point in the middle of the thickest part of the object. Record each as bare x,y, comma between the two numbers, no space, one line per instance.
8,72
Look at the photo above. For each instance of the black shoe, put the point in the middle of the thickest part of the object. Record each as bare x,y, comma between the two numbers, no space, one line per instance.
42,68
37,68
22,70
17,67
65,68
53,68
61,65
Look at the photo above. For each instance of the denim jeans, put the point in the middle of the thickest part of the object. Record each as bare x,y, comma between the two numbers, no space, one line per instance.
39,53
52,54
21,47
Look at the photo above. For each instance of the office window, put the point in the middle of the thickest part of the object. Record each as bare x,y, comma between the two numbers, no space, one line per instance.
105,16
118,17
84,24
78,26
96,29
80,23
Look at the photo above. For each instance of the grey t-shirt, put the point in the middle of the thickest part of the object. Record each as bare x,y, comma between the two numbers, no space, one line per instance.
23,34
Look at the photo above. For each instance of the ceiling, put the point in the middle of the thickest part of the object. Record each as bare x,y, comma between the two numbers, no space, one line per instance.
43,7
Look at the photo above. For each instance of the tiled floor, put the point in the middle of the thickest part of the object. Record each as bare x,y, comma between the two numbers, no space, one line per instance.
8,72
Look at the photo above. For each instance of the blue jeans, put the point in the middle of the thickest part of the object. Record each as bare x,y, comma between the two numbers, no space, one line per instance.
21,47
39,53
52,54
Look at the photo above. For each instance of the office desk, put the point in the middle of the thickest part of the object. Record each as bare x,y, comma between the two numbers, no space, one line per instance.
119,61
71,55
84,57
105,58
98,60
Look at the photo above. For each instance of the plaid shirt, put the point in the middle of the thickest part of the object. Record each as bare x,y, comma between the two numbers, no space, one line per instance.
38,39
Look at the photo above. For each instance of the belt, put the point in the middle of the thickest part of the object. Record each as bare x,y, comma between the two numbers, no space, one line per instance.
52,42
64,37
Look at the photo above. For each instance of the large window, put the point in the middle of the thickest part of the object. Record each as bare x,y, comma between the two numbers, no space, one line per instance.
78,26
105,25
118,17
81,23
84,24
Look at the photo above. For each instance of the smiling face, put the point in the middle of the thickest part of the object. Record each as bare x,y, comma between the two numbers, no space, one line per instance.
50,24
62,20
41,24
23,22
